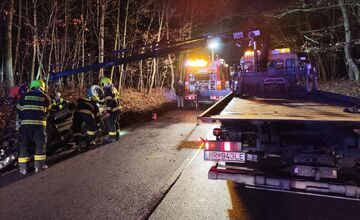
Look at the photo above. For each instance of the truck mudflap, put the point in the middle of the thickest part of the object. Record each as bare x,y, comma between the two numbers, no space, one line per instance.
252,180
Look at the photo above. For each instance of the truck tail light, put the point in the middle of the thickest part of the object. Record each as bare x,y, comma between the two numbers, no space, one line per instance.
213,97
227,146
217,132
190,97
210,145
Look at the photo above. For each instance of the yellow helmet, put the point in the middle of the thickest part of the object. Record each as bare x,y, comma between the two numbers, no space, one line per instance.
38,84
105,81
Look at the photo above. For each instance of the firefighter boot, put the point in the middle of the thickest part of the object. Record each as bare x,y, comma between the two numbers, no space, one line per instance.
39,169
110,139
23,165
22,171
40,163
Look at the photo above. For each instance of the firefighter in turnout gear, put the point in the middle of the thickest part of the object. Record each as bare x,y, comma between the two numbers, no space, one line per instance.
32,110
58,103
112,108
86,111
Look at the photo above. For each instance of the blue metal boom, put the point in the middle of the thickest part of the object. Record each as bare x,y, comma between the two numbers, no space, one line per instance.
135,54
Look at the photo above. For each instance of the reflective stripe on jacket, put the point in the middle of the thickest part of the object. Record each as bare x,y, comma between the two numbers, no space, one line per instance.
112,98
32,108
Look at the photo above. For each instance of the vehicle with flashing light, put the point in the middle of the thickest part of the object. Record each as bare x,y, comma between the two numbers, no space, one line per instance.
277,134
281,58
204,82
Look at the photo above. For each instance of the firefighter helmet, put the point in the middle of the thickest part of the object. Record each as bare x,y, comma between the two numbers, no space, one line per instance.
91,95
105,81
38,84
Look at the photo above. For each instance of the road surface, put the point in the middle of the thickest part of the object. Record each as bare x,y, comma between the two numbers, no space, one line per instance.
155,171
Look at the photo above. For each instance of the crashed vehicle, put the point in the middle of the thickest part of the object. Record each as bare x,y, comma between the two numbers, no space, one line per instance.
58,128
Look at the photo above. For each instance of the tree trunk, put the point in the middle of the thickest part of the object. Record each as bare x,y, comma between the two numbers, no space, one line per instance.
161,21
171,63
83,26
117,33
121,69
34,42
64,48
322,70
102,36
9,75
141,82
353,70
18,37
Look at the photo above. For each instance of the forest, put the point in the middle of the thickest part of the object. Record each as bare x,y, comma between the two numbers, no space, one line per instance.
37,36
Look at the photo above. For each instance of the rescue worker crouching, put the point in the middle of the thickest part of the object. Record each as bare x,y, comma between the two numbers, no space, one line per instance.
86,111
113,108
32,110
58,103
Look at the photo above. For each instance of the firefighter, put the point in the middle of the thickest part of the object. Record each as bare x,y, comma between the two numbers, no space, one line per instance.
58,103
32,110
112,108
86,111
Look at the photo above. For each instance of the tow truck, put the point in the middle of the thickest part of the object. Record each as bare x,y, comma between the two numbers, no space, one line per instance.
276,134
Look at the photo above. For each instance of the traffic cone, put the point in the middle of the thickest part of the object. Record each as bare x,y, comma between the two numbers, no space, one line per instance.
154,116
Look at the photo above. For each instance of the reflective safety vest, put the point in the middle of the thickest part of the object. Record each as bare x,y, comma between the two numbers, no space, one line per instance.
112,98
32,108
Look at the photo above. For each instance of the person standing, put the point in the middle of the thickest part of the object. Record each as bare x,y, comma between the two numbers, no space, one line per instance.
113,108
86,111
180,93
32,110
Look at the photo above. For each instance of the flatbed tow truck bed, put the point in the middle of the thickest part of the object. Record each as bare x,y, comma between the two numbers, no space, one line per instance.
290,138
322,107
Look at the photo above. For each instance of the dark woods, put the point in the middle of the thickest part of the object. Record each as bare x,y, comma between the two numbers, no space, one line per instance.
38,34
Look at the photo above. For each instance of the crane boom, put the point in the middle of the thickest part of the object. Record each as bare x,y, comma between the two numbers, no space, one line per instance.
135,54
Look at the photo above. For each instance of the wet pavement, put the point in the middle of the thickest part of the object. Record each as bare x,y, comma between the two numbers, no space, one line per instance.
155,171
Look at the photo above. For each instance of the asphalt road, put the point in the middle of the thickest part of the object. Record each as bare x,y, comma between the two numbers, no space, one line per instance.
123,180
155,171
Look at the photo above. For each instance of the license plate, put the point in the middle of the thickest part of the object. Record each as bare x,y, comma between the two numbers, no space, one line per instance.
224,156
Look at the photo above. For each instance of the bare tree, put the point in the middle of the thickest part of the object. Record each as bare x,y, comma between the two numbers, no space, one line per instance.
353,69
9,75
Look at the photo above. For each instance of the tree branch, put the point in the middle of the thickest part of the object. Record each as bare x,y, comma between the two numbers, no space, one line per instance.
304,10
322,29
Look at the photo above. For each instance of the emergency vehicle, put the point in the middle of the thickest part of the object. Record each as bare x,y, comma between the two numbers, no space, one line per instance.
206,82
281,58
